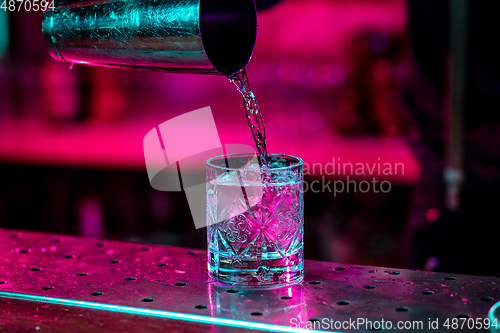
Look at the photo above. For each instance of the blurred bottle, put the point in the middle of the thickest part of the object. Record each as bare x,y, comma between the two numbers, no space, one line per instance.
106,100
59,94
24,55
367,103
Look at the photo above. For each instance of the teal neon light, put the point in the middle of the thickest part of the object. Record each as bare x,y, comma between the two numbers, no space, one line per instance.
158,313
4,32
493,317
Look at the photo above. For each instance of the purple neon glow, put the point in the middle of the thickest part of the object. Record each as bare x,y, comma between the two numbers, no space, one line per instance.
291,59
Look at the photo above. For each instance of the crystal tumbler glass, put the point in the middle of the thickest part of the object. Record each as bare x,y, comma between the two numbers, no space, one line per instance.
255,221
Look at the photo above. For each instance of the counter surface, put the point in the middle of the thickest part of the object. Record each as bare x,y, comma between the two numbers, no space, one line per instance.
63,283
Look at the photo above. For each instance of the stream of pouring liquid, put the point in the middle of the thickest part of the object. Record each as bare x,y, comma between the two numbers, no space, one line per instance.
253,115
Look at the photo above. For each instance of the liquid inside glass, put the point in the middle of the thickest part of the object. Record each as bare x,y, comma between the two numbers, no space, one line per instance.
258,241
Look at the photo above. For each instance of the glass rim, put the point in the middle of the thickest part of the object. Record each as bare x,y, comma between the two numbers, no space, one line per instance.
298,161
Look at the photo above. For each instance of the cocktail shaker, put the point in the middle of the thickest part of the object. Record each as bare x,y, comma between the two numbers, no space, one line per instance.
181,36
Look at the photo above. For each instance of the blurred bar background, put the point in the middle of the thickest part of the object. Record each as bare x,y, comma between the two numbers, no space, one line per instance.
329,76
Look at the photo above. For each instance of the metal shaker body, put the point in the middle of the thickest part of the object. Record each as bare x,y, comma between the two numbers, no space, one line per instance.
181,36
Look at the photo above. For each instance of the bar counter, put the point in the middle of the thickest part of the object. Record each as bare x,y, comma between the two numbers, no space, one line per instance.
59,283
